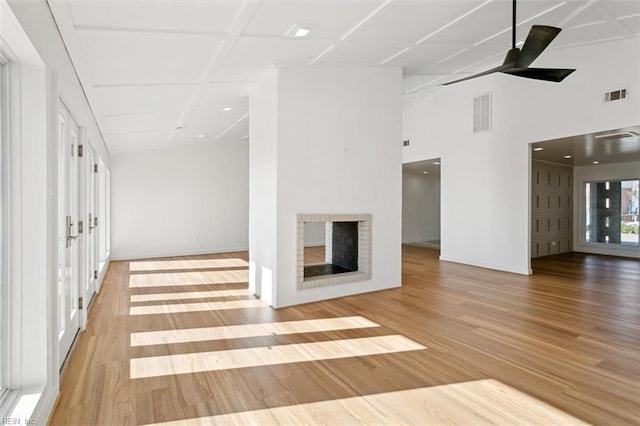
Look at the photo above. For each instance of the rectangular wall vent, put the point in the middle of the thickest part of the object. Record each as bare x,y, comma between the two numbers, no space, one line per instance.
616,95
482,113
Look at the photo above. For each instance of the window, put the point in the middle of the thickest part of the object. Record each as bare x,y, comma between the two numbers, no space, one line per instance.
3,264
612,212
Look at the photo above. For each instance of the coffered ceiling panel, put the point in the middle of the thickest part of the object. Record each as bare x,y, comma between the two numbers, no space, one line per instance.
189,16
252,56
203,128
622,8
359,54
495,18
463,58
585,34
143,99
201,131
410,21
236,133
138,141
146,58
276,18
140,122
202,120
631,24
423,55
221,95
162,72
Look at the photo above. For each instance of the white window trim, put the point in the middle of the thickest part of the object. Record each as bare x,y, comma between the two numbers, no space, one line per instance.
4,293
31,387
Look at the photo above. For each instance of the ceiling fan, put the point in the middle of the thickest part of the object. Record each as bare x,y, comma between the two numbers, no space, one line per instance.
517,61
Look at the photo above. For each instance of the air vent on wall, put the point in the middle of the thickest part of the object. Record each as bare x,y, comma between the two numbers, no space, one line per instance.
482,113
616,95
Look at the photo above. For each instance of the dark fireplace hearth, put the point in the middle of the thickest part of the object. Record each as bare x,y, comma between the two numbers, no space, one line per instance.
324,269
346,248
343,251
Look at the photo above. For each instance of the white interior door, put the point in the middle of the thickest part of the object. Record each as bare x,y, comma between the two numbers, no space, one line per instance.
91,233
68,250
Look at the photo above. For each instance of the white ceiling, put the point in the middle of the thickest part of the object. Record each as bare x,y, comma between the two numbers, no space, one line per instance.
160,73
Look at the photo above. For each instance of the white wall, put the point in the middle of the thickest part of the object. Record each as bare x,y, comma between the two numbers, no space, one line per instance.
338,151
600,172
492,168
263,175
314,234
420,207
180,200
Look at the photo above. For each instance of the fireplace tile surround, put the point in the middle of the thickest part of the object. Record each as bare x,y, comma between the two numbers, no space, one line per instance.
363,250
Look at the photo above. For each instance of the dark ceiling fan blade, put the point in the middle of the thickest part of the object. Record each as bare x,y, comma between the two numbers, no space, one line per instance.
501,68
546,74
540,36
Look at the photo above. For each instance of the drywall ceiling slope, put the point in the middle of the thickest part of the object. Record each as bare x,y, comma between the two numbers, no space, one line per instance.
161,73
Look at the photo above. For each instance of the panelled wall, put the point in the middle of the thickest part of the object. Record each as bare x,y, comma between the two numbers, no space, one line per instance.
551,209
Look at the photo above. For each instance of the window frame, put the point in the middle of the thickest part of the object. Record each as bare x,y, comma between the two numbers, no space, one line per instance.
4,263
584,210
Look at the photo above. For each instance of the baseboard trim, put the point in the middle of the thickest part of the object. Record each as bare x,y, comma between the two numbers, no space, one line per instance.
155,255
501,268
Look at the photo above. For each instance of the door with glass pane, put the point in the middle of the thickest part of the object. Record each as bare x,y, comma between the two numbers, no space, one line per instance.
90,171
68,245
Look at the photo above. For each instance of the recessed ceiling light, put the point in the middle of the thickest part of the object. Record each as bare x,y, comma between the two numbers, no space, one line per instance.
567,156
426,173
436,162
302,32
200,136
226,109
298,31
595,162
538,149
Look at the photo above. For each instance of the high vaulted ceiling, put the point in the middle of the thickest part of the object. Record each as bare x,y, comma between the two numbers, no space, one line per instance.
160,73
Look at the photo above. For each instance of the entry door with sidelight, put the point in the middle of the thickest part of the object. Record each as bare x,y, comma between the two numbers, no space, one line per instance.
68,244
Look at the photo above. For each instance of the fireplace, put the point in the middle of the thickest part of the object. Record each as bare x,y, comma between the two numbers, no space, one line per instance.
347,250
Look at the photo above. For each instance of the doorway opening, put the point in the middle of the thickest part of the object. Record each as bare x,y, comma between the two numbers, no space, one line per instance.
421,203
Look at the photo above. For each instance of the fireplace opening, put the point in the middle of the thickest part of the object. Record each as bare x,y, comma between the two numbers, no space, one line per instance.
340,256
333,249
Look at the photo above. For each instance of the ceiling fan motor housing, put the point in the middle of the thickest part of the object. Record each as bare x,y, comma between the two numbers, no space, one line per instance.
512,57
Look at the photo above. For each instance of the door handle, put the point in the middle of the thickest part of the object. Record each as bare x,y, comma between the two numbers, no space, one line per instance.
70,238
91,222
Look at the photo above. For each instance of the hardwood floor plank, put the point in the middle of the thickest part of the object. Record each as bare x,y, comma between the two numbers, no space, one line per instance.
560,346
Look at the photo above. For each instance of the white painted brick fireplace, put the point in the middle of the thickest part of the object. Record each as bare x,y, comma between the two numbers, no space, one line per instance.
364,250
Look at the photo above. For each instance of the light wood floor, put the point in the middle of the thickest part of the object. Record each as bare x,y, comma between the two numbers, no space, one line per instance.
181,340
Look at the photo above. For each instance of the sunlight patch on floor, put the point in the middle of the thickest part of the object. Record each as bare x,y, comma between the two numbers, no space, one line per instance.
177,308
478,402
164,265
261,356
188,278
248,330
157,297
